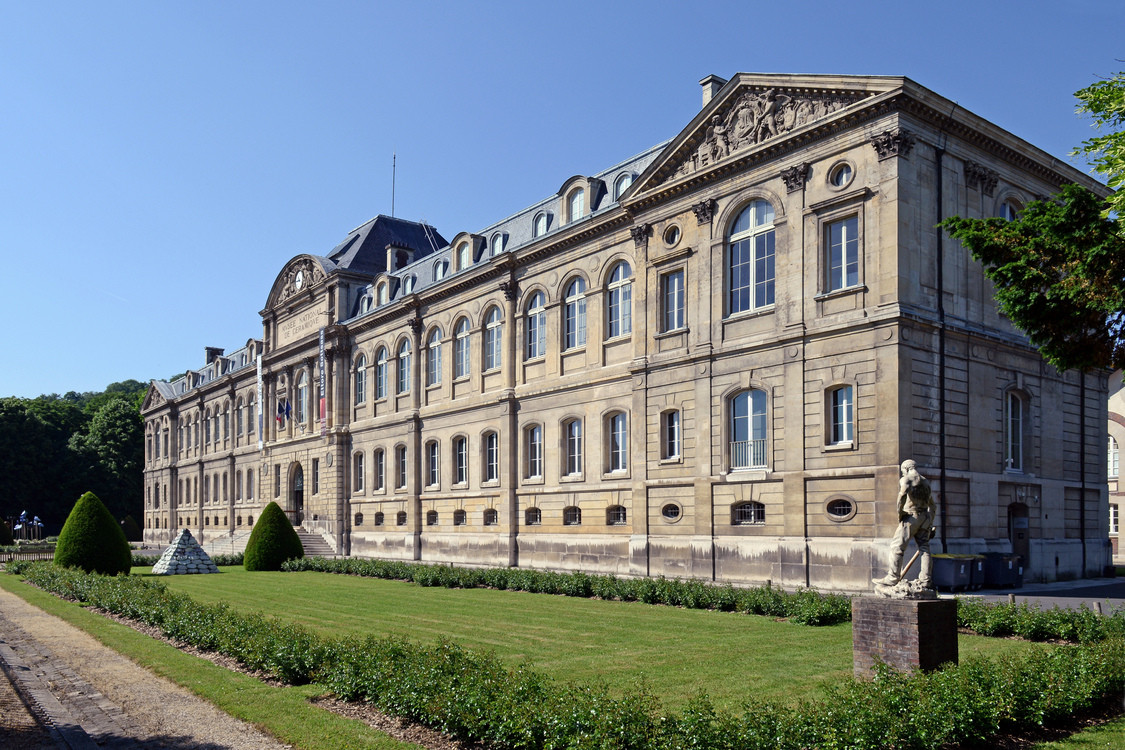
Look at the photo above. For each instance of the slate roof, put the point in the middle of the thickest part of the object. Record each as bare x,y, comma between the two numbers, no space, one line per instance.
364,250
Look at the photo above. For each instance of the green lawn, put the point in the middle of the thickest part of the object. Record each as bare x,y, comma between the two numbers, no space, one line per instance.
679,653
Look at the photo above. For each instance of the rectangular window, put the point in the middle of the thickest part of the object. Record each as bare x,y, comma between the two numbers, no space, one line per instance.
277,480
672,300
358,473
842,416
378,477
843,253
671,434
316,475
1013,433
1114,519
250,418
460,461
249,484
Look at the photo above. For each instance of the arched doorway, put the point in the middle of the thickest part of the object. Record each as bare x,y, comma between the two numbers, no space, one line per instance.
1019,532
297,494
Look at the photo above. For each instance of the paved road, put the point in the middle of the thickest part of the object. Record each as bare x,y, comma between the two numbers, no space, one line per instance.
1110,592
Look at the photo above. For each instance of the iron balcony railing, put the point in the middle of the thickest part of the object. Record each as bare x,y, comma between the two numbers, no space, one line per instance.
748,454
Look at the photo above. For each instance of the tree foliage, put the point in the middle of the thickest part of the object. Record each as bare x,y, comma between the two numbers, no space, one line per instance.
272,542
1104,101
53,448
92,540
1059,272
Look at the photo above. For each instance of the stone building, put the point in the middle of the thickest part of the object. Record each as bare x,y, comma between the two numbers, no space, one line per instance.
1113,461
706,361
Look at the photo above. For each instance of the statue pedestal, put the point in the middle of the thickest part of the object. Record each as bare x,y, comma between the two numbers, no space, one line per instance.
903,633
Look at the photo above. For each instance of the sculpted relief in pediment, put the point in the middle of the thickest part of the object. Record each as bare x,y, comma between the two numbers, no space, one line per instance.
298,277
756,116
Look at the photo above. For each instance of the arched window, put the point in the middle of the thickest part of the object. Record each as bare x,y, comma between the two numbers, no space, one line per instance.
358,519
492,339
491,517
621,184
439,269
532,517
1113,459
539,228
616,515
361,379
572,434
671,435
572,516
750,259
377,473
536,327
1013,431
533,441
433,358
491,457
841,415
497,245
250,485
381,373
381,293
464,256
377,520
748,430
576,205
574,314
250,416
400,467
1009,209
400,518
460,517
748,514
240,419
431,518
617,434
408,284
620,308
461,349
404,367
303,398
357,472
433,464
460,460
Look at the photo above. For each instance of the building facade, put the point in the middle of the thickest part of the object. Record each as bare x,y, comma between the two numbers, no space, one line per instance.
1113,461
707,361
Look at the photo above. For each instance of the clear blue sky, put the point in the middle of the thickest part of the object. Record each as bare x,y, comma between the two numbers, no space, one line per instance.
161,161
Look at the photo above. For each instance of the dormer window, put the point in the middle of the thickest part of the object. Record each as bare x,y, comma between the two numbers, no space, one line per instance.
497,245
464,256
381,293
540,227
621,184
439,269
408,285
576,205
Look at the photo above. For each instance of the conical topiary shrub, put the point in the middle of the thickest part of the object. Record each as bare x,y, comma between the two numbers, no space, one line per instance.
272,542
92,540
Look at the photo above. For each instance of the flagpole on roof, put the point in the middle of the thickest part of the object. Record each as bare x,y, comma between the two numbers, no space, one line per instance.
394,167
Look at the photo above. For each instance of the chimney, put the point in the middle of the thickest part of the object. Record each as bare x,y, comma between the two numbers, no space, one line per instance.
211,353
711,85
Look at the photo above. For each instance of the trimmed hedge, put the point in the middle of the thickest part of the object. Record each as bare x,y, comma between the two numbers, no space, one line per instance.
1080,625
805,607
474,698
147,561
92,540
272,541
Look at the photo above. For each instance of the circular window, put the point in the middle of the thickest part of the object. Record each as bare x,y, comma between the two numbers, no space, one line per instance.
671,235
840,175
671,512
840,509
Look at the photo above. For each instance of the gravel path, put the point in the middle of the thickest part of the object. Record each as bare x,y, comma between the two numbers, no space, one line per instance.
48,697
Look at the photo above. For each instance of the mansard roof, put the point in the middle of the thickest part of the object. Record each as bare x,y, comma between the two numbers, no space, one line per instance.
364,250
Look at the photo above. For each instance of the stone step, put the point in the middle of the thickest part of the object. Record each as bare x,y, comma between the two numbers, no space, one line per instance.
314,544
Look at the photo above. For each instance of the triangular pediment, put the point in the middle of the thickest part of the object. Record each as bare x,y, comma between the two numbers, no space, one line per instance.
153,397
756,111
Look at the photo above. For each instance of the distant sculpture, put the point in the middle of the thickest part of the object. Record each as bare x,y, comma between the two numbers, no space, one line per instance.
916,514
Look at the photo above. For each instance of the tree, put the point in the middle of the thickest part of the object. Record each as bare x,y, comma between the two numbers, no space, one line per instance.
272,541
92,540
1105,102
112,448
1059,272
1059,268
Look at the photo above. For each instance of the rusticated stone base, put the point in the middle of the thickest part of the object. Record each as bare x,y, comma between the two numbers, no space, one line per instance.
903,633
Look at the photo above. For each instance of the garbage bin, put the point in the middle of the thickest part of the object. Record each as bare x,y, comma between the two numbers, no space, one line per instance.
976,572
952,572
1002,569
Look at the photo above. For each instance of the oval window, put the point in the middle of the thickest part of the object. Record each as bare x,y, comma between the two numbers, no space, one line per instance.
671,512
671,235
840,509
840,175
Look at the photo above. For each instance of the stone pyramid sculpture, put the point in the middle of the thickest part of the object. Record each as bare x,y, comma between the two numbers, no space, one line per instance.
184,556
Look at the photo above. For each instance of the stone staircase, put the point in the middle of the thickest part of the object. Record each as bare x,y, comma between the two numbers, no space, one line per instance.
315,544
227,544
